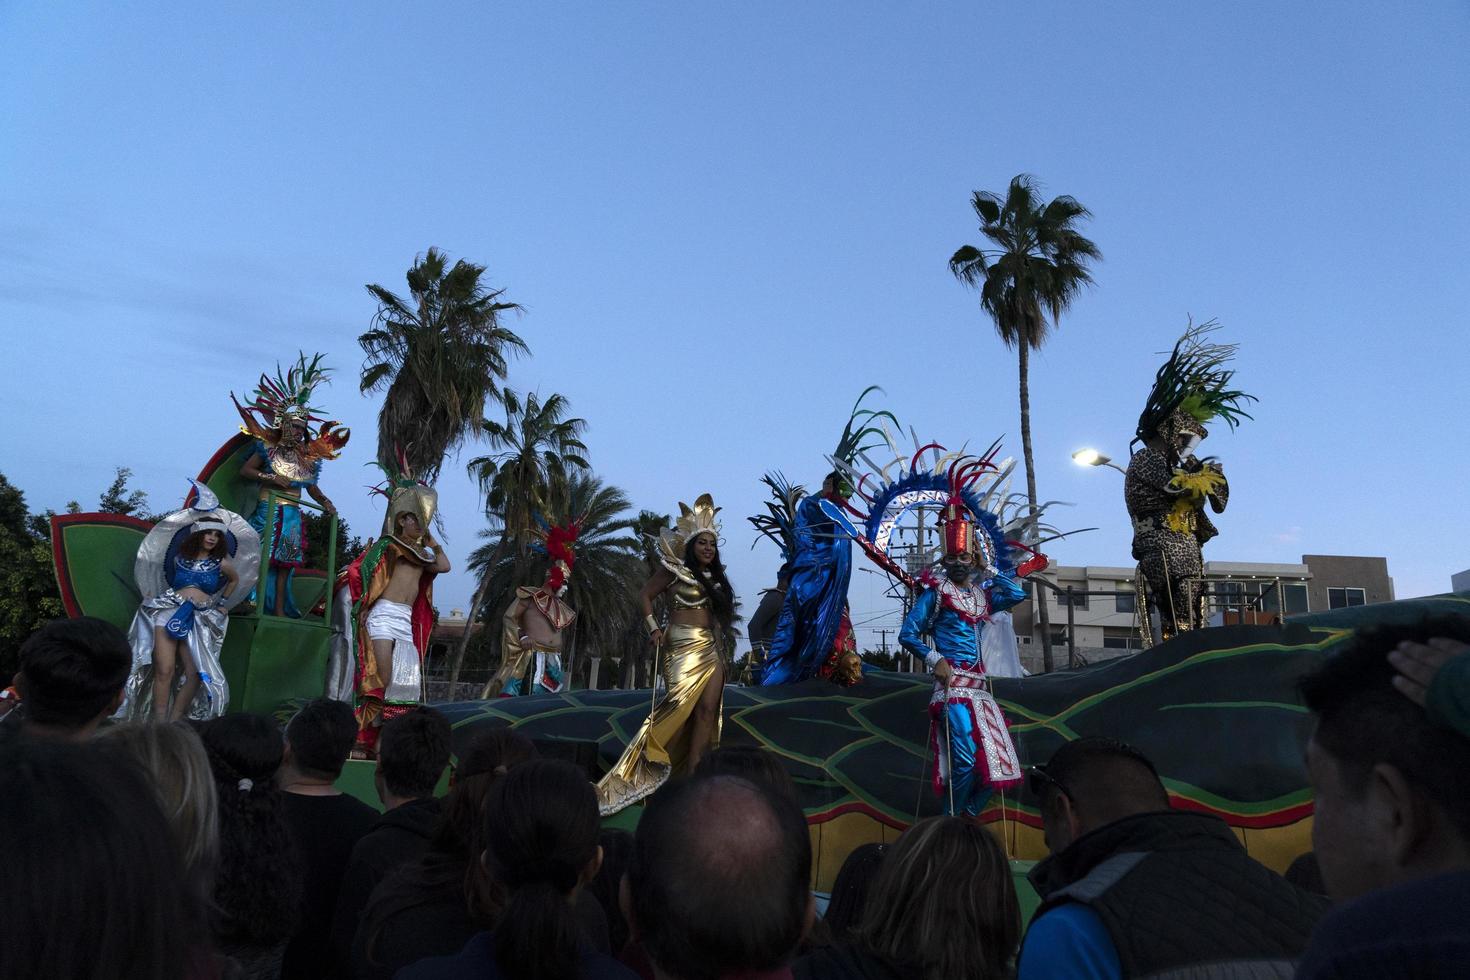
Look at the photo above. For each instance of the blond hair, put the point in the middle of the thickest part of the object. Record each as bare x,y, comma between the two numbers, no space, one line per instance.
943,905
177,767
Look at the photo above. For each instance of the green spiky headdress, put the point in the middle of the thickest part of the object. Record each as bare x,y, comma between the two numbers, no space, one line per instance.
861,424
286,398
1195,380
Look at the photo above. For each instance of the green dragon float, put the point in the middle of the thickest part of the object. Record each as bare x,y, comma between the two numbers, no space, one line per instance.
266,659
1216,709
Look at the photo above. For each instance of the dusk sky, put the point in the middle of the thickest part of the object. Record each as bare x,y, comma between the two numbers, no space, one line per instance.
726,220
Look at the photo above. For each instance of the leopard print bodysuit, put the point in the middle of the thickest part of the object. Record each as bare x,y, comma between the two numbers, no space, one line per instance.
1170,560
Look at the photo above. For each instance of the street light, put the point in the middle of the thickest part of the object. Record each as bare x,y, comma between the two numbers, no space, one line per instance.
1091,457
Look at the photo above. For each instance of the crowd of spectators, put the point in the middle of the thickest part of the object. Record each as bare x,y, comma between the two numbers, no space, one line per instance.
223,850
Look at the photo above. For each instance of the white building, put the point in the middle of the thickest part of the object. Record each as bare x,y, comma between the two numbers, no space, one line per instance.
1105,622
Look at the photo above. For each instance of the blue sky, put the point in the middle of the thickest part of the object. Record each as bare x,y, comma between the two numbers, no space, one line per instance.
726,220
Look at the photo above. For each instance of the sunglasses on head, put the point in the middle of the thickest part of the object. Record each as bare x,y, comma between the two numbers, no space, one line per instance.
1038,779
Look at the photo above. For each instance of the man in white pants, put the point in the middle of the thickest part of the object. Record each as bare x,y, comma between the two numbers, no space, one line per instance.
391,588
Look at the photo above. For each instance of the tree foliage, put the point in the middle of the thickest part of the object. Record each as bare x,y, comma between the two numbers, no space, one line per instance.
117,499
539,446
441,354
29,596
605,580
317,530
1035,266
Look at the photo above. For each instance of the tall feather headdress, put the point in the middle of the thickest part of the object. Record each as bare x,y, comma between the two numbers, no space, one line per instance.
1195,380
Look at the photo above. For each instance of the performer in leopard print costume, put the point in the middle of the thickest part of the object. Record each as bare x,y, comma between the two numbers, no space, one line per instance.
1167,486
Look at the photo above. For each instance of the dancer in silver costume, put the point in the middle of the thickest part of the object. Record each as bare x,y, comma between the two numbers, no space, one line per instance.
192,569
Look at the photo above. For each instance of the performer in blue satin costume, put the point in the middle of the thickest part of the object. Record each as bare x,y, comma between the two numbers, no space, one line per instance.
969,733
814,634
990,538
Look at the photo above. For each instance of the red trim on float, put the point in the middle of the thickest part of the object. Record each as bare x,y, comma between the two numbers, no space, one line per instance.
58,548
993,814
208,470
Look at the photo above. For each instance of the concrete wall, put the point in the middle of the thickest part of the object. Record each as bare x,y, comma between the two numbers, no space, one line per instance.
1347,571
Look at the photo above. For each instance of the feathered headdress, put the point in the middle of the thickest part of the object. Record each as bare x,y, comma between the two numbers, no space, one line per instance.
557,542
405,494
277,402
1194,381
981,516
778,523
861,424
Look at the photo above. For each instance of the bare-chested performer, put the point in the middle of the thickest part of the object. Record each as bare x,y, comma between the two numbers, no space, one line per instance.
391,586
533,625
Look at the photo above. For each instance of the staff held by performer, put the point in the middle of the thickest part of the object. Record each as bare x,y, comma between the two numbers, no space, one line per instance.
686,722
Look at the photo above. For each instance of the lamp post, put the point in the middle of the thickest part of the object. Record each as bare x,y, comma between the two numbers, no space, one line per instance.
1091,457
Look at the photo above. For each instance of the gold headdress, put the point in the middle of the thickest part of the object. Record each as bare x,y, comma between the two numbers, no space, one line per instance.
406,495
693,521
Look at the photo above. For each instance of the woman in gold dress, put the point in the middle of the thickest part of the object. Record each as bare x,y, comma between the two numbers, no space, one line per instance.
686,722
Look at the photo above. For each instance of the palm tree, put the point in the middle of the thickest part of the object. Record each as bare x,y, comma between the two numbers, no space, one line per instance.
1036,267
538,446
605,579
441,354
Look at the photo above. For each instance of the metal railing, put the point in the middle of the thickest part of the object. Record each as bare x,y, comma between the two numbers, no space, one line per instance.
1245,605
267,545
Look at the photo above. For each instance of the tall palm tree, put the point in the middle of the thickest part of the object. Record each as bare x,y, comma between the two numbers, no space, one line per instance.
441,354
605,580
538,446
1035,267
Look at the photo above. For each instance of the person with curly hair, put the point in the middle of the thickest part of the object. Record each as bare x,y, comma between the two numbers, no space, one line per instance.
257,888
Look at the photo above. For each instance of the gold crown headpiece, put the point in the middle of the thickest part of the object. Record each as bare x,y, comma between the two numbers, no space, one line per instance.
699,519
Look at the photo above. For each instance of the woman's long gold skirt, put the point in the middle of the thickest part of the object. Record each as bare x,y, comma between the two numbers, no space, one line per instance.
691,660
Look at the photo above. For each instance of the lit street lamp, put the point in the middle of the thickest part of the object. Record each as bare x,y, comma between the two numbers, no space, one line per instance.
1091,457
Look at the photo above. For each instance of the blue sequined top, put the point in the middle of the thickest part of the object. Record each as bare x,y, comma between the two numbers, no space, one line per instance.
955,639
203,574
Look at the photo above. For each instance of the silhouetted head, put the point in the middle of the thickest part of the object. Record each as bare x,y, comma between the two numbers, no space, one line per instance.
1392,801
71,675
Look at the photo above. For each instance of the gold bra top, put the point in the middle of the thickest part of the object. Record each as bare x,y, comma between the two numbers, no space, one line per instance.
688,595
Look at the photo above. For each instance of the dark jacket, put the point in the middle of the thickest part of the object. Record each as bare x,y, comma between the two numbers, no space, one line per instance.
421,911
399,837
1177,890
846,961
476,961
326,829
1420,929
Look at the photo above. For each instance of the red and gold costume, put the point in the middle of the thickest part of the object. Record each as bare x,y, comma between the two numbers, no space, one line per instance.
377,699
517,649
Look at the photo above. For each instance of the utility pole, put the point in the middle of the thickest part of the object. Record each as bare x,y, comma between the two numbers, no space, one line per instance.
884,635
